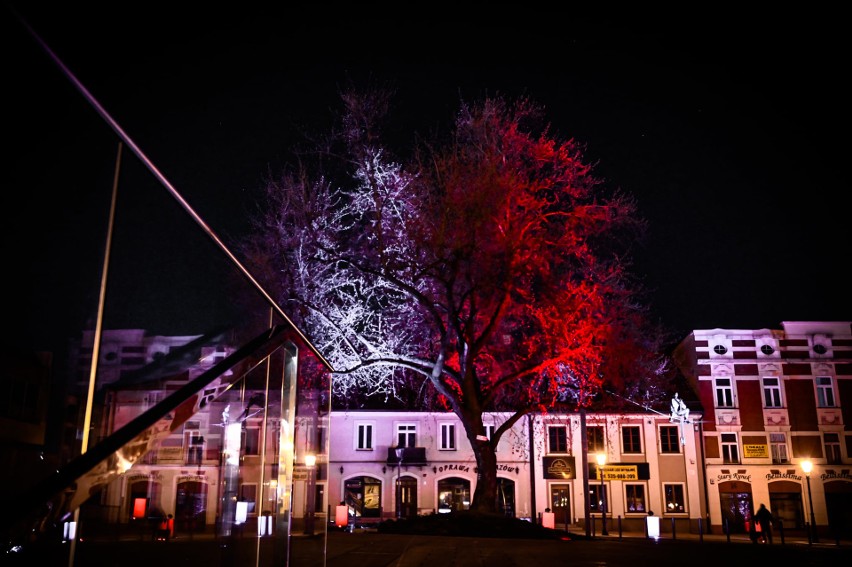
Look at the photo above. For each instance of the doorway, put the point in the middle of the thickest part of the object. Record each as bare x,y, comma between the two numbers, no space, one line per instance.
191,506
506,497
407,497
736,504
560,503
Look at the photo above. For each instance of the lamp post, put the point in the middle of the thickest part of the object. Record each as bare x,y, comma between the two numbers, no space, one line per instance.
400,451
807,467
601,462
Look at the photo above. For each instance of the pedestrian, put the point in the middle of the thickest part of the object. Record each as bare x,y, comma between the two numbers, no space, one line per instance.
764,519
163,529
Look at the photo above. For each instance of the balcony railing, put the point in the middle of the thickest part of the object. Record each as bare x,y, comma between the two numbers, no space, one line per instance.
415,456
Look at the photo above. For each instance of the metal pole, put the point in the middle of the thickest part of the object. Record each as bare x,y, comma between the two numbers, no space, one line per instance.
96,345
532,468
584,459
814,536
603,505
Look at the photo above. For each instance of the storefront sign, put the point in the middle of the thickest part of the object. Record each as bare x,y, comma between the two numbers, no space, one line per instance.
300,472
830,475
619,472
454,467
777,475
755,451
732,476
559,468
191,478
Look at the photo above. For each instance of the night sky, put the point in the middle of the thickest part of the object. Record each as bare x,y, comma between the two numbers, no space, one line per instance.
730,135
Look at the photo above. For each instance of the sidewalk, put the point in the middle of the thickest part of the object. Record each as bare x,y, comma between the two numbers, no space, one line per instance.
777,539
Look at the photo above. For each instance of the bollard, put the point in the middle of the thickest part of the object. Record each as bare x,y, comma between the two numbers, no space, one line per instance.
674,529
727,529
700,531
781,530
619,527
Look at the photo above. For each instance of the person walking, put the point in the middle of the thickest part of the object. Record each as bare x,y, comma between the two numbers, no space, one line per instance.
764,518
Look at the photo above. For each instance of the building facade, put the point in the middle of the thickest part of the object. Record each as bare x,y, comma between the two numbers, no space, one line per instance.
778,404
769,402
649,468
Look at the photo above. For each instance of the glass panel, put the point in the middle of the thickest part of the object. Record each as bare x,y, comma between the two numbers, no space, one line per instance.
181,375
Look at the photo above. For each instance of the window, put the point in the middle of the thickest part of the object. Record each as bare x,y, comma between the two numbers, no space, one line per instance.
767,350
720,349
674,501
406,435
489,431
825,393
195,448
322,435
771,393
448,437
631,439
832,448
635,495
595,438
557,438
778,447
364,441
669,439
724,393
820,349
252,444
730,449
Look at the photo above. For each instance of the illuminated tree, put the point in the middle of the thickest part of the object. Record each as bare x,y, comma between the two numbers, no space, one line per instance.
491,266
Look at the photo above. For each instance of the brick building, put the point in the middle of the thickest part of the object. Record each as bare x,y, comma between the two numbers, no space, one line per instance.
776,401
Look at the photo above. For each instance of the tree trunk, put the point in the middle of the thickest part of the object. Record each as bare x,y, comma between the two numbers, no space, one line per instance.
485,495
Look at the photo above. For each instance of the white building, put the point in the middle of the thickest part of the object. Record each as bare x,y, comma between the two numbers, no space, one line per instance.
651,466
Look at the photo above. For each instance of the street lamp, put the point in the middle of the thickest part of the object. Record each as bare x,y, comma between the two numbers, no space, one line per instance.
400,451
808,466
601,462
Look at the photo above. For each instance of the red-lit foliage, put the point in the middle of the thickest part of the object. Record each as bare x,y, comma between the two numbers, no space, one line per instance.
492,266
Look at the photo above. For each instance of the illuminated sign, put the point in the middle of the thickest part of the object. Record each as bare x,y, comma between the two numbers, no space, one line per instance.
619,472
559,468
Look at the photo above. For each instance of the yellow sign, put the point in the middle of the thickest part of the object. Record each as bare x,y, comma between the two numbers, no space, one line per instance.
755,451
300,472
619,472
